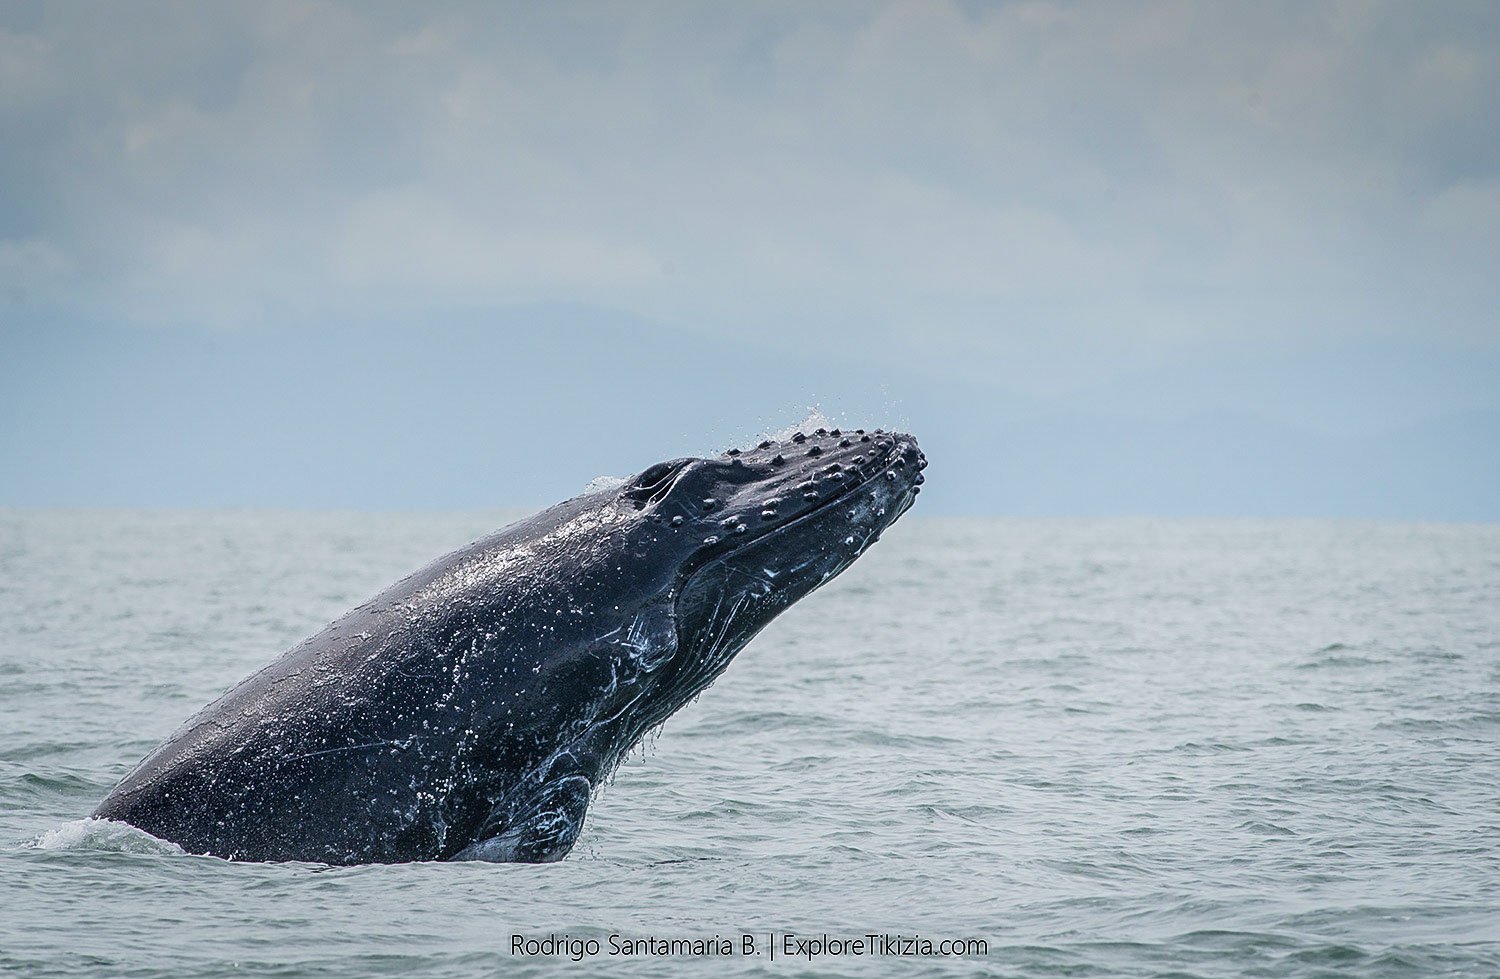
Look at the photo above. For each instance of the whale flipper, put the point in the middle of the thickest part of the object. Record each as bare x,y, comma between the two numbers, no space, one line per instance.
545,835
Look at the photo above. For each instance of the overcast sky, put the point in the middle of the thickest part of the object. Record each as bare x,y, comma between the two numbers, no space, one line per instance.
1155,257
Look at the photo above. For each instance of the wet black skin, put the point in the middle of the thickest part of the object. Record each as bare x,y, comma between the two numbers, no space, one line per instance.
470,710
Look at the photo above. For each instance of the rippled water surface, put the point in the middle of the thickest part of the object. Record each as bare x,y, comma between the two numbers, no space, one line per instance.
1101,748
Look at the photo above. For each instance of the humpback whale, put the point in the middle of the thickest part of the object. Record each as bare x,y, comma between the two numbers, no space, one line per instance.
469,711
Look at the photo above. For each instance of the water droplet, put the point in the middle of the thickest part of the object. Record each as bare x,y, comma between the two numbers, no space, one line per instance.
677,520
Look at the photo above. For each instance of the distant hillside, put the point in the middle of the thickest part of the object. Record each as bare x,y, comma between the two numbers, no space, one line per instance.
524,406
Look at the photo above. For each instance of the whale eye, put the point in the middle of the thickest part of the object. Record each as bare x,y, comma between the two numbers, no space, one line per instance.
654,484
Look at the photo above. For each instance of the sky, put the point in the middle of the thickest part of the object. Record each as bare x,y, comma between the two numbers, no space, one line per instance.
1136,258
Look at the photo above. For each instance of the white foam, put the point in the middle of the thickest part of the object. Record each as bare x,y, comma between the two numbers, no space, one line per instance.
599,483
815,420
103,835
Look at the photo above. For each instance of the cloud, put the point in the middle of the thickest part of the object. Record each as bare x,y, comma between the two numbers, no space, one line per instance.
965,184
30,266
416,241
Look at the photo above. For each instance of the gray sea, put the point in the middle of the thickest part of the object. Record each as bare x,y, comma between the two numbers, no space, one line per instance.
1031,748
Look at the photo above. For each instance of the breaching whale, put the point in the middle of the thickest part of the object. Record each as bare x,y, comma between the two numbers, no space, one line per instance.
470,710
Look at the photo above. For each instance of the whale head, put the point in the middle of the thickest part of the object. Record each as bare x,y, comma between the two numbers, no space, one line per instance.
747,533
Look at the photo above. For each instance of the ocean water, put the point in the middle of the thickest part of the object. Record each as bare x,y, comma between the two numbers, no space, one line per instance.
1071,748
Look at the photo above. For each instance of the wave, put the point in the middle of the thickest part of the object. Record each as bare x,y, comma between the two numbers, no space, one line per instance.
103,836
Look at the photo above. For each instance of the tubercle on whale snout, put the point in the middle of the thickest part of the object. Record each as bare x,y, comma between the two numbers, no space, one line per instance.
745,493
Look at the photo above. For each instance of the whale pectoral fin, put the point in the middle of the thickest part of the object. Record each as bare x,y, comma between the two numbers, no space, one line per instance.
545,835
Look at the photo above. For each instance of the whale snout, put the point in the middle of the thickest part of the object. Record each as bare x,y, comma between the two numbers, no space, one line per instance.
780,481
746,494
